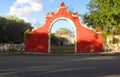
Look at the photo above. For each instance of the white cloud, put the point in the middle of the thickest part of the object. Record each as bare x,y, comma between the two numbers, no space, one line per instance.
35,23
24,8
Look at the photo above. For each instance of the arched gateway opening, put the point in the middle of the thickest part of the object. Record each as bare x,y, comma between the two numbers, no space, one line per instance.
62,37
86,39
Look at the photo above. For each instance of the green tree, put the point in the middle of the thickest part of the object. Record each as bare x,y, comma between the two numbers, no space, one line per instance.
65,31
12,29
54,39
104,14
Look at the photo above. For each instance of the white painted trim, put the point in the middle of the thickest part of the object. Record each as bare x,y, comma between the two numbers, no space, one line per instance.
62,18
99,33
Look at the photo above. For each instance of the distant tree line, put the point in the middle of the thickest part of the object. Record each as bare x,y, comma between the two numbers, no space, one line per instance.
12,29
55,40
65,31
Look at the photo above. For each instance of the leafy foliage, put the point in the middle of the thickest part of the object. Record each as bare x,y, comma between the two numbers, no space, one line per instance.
12,29
54,39
58,40
104,14
65,31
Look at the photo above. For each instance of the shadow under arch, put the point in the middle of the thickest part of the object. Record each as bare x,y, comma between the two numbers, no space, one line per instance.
64,48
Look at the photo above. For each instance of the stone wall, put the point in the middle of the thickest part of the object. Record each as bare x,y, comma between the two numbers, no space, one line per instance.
111,47
12,47
112,43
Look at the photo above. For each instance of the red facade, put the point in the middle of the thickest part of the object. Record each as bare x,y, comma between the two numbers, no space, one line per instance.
86,39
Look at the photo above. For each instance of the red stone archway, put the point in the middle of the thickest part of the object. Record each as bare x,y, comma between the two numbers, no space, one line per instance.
86,39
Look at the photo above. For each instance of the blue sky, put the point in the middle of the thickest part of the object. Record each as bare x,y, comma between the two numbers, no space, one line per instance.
34,11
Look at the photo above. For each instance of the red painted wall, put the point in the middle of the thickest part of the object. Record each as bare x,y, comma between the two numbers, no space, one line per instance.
86,39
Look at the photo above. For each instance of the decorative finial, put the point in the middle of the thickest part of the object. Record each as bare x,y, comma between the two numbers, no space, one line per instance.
77,14
48,15
62,4
99,29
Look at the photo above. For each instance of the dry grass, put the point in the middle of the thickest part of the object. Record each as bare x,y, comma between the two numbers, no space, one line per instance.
70,49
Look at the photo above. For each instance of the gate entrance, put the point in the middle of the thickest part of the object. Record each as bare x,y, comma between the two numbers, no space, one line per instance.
62,37
86,39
